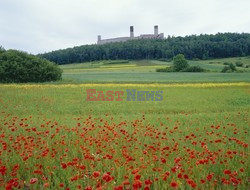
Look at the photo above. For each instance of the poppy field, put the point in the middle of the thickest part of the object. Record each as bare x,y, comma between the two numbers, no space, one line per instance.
196,138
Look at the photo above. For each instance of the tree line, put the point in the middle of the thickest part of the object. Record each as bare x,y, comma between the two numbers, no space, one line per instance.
202,46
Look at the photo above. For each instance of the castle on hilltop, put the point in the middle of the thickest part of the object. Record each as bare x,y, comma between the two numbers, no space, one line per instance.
156,35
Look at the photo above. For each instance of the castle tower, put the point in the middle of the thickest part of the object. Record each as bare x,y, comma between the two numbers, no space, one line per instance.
99,38
131,31
156,30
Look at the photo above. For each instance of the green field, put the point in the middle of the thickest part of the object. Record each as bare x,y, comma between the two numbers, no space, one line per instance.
144,71
70,100
197,137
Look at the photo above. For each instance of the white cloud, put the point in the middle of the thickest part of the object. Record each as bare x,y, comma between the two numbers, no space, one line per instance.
37,26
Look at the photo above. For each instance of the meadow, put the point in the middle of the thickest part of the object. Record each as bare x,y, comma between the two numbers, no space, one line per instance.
144,71
196,138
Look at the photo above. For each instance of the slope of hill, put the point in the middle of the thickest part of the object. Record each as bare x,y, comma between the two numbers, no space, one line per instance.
144,71
220,45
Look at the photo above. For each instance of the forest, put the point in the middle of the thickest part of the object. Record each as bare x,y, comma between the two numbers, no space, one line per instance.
204,46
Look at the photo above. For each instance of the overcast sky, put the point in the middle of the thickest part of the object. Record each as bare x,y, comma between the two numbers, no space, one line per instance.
39,26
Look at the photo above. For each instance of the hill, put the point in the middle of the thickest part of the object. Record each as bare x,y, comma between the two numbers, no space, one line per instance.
204,46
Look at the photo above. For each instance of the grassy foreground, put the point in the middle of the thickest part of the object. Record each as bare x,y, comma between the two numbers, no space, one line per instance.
196,138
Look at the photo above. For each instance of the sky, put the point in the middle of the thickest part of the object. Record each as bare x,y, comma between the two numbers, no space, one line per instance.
38,26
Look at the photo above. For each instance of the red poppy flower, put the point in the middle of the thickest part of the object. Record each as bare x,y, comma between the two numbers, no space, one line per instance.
137,177
33,180
96,174
174,184
203,181
46,185
185,176
106,177
148,182
227,172
61,185
137,184
64,166
88,188
120,187
82,167
3,170
179,176
209,177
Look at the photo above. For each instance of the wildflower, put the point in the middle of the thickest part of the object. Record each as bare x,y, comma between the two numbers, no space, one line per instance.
209,177
33,180
179,175
137,184
46,185
137,177
64,166
106,177
148,182
227,172
96,174
3,170
61,185
120,187
174,184
82,167
185,176
88,188
202,181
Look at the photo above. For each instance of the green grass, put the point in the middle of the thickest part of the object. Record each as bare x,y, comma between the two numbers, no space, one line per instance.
244,60
144,66
44,127
144,71
57,102
108,77
51,136
216,65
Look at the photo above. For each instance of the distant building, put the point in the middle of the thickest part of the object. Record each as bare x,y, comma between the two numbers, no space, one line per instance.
156,35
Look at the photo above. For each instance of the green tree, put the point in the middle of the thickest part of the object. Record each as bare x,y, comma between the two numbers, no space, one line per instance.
193,47
180,63
16,66
229,68
2,49
232,67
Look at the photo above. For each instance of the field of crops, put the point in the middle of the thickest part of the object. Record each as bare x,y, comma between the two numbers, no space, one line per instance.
144,71
197,137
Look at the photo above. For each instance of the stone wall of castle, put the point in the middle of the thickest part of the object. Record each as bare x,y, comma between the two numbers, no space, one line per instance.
124,39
